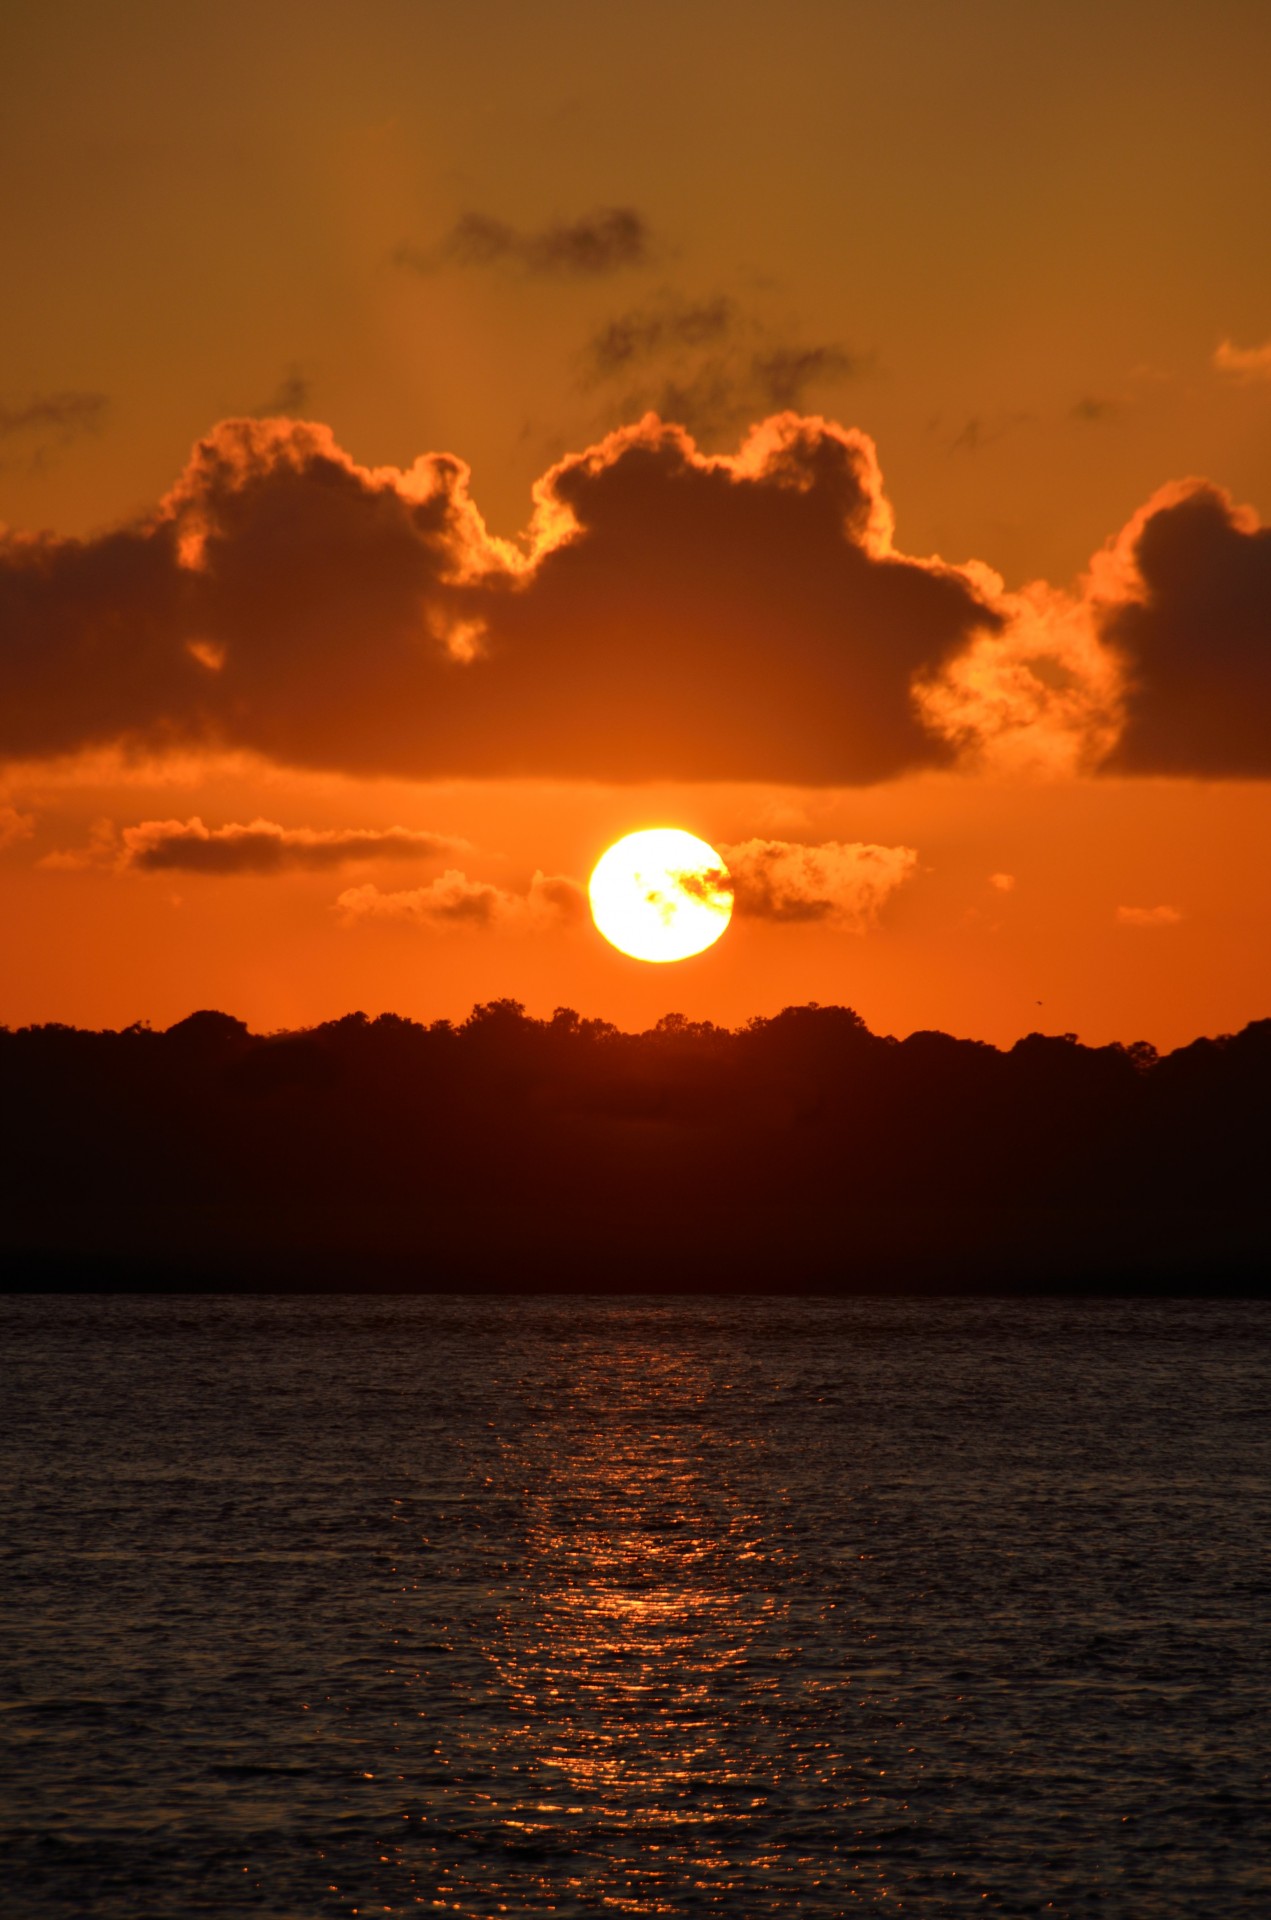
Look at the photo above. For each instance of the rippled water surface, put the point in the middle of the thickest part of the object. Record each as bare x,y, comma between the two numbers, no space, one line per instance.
753,1607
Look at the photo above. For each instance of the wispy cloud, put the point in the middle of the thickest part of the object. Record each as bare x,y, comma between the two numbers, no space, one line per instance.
258,847
1148,916
15,826
53,418
262,846
668,325
709,363
1092,408
1244,363
290,397
598,243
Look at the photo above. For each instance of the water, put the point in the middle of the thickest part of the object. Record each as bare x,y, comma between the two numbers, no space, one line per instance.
746,1607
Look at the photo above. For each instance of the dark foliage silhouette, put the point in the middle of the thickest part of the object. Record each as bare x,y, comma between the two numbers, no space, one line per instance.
798,1151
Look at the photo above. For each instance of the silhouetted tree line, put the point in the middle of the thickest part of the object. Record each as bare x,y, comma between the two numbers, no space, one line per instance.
801,1150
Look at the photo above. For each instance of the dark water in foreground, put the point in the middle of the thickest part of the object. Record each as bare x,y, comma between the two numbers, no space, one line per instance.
746,1607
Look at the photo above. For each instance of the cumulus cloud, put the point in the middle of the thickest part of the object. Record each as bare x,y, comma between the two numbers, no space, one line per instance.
671,614
1183,596
1002,882
595,244
1245,363
676,614
263,847
1148,916
454,900
841,883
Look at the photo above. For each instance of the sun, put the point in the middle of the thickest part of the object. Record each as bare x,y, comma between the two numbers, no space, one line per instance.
661,895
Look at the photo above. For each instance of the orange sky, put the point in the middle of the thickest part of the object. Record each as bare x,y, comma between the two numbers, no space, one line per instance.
1020,257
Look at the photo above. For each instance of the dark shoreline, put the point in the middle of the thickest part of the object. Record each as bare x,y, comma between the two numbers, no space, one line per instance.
799,1155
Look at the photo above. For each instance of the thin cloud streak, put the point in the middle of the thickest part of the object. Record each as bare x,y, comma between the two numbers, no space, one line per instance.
264,847
1244,363
455,901
587,248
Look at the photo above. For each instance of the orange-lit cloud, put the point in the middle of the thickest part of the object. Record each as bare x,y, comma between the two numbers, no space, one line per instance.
164,846
843,884
1246,363
453,900
1148,916
15,826
671,614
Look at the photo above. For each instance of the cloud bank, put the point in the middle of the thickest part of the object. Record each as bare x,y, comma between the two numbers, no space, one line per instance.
670,614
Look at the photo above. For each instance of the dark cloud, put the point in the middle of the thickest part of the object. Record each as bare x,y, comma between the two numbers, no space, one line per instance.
678,616
708,364
1186,598
784,375
978,432
596,244
673,614
263,847
53,419
649,332
290,397
1091,409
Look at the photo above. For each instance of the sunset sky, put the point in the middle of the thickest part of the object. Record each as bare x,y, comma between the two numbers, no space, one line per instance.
435,441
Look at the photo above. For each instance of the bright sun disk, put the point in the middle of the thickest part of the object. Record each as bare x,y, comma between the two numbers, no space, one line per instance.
662,894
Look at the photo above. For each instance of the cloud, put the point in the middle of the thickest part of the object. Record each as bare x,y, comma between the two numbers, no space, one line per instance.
453,900
54,416
783,375
708,364
1183,597
1092,408
671,613
1148,916
598,243
676,614
290,397
842,884
1040,695
646,333
1245,363
978,432
1002,882
263,847
15,826
102,850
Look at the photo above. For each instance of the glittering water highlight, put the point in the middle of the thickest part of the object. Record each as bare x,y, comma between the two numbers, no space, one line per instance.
642,1606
